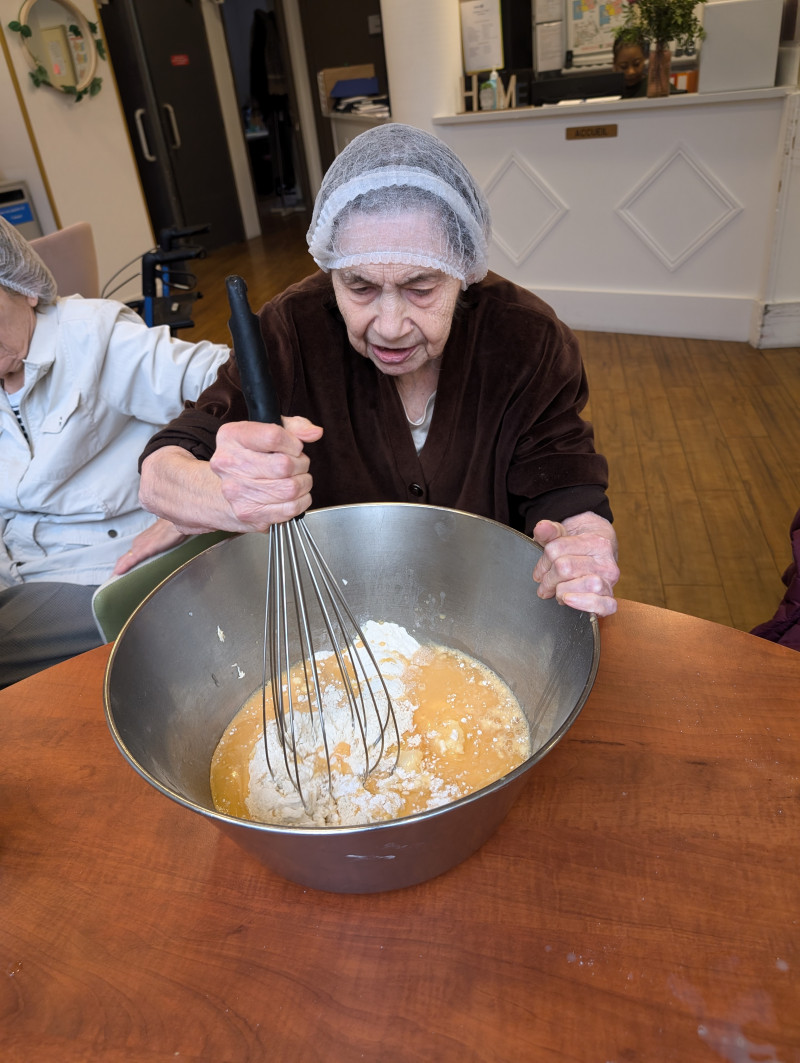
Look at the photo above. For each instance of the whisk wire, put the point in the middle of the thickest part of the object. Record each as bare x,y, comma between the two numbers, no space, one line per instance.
283,694
320,581
299,582
340,607
268,651
307,654
275,636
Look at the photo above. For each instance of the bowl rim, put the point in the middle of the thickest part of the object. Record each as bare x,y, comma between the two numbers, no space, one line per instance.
359,828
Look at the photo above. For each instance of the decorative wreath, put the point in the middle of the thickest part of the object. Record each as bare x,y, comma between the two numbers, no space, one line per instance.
91,84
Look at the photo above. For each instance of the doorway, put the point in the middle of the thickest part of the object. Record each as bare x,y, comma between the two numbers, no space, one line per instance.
262,75
163,68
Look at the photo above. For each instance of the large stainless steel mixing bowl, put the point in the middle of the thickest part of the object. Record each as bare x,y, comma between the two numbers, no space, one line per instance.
192,652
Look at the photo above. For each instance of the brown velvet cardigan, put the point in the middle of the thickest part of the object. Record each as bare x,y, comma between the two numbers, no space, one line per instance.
506,439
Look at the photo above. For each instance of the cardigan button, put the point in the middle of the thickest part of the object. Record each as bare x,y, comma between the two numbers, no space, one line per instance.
416,490
112,533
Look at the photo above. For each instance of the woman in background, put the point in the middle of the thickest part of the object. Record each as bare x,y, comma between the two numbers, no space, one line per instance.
630,59
83,384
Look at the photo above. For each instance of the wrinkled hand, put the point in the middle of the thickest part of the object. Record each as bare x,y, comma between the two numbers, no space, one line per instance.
263,471
579,564
162,535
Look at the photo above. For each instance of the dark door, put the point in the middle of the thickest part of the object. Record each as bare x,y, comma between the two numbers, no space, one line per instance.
140,106
163,65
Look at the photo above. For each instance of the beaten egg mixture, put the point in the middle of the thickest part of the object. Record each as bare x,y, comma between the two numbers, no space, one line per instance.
460,729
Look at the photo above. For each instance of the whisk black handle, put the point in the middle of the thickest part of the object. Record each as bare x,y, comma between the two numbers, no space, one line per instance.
251,356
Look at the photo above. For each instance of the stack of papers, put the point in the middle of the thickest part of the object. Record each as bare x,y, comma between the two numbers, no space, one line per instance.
374,106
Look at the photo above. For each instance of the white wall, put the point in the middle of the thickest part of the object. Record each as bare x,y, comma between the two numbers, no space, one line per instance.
422,40
17,158
776,318
85,154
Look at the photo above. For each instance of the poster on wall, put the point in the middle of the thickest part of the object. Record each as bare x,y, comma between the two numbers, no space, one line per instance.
590,30
481,35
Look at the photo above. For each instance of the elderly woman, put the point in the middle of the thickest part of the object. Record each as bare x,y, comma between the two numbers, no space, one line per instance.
434,381
83,385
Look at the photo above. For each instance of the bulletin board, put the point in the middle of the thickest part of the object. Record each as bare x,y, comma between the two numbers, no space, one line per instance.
590,29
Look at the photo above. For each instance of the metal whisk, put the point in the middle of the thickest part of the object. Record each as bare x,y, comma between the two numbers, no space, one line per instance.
302,596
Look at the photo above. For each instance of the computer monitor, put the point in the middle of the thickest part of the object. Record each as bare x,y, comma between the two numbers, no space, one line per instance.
581,86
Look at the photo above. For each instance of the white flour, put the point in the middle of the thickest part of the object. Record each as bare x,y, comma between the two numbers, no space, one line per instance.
468,731
276,800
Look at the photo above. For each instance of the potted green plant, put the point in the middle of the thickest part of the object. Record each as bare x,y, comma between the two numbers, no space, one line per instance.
658,23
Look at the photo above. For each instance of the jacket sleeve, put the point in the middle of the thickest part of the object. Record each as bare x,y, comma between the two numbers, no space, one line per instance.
554,471
144,372
195,429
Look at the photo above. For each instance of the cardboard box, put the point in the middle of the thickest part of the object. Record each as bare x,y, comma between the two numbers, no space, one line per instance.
328,77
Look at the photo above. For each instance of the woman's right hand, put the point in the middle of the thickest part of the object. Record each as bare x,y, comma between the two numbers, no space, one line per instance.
258,476
263,470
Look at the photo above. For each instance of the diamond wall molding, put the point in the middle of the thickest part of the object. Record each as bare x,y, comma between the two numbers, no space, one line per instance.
515,182
678,207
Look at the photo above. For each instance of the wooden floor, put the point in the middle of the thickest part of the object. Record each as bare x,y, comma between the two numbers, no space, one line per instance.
702,439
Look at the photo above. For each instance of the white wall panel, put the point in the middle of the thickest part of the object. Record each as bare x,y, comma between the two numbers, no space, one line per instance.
665,228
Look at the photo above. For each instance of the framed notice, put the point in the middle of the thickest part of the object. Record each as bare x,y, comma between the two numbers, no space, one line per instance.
481,35
549,49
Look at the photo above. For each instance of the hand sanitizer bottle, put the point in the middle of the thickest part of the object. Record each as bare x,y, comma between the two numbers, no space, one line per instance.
488,93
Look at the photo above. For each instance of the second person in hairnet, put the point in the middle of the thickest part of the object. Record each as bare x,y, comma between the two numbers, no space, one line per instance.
83,385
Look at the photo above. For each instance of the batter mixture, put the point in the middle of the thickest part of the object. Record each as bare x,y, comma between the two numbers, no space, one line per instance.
460,729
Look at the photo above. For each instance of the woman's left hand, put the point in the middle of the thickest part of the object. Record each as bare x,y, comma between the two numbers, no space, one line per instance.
162,535
579,564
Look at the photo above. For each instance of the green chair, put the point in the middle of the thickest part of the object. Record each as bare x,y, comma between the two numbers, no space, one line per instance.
116,599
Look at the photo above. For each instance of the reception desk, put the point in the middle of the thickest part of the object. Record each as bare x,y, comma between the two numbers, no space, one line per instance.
676,216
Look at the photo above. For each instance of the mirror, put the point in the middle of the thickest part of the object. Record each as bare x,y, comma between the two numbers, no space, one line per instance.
60,44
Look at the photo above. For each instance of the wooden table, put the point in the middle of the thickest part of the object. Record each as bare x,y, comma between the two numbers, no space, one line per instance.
641,902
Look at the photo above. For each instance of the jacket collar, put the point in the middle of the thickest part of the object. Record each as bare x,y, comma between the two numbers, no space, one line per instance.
42,350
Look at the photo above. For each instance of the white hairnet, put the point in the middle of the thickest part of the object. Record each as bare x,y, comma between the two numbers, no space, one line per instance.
393,170
21,269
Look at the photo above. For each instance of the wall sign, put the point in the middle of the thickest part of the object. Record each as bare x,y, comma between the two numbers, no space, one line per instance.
481,35
591,132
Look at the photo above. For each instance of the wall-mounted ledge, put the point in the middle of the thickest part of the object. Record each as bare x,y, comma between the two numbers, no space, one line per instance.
605,106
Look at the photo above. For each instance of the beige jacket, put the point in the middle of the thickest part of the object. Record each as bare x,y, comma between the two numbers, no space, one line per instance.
98,384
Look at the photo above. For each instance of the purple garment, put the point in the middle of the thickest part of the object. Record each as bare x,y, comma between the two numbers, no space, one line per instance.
784,627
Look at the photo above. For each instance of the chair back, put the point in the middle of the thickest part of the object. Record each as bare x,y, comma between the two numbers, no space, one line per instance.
115,600
71,257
